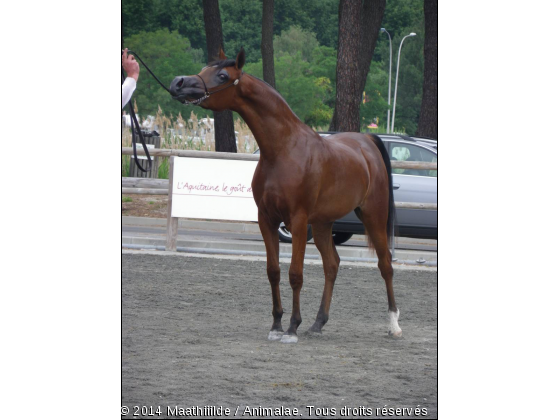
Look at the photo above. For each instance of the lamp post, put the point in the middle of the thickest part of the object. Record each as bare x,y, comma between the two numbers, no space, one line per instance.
389,93
397,81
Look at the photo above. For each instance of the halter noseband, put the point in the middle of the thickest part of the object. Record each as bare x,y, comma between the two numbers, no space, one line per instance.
207,93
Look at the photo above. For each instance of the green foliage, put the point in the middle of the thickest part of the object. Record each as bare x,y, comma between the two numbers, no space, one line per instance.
293,40
241,26
409,93
255,69
401,18
320,116
168,54
137,16
126,199
323,66
375,108
323,63
303,92
400,15
170,36
317,16
184,16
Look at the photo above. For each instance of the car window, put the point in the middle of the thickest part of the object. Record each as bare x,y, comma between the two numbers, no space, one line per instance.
409,152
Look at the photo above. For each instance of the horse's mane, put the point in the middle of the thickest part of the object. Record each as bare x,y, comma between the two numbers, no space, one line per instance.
222,63
278,95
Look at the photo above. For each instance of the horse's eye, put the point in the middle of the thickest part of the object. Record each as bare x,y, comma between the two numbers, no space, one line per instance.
222,76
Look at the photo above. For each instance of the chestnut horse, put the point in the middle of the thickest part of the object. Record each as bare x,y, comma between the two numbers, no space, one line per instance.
302,178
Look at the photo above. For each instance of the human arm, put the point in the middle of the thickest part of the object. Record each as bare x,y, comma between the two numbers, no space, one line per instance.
130,65
127,89
132,69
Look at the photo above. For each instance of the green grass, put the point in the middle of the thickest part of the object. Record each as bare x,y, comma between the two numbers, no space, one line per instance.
163,170
125,165
126,199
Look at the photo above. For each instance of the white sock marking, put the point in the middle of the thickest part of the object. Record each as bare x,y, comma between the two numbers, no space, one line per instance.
394,328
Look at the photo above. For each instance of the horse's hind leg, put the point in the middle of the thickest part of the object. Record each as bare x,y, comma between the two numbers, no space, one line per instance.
375,223
322,235
269,232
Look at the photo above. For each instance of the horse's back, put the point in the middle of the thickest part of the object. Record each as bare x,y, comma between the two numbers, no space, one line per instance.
359,142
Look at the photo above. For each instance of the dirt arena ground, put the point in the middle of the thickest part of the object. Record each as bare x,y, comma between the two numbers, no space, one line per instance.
194,334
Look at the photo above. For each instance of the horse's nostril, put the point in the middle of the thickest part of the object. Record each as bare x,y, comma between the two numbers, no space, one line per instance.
180,84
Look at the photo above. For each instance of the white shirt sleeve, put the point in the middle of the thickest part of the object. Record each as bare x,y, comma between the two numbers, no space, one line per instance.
127,88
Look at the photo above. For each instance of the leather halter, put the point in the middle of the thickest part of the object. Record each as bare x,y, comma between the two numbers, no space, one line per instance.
207,93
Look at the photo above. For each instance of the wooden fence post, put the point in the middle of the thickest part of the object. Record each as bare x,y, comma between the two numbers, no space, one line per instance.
172,222
151,138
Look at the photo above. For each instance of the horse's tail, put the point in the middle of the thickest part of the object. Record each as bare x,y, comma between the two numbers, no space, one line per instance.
391,219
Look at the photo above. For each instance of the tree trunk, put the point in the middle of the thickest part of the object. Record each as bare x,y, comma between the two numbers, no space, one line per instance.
372,16
427,125
267,49
347,107
223,120
365,31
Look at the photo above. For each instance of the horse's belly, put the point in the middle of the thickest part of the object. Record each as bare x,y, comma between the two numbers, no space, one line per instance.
336,202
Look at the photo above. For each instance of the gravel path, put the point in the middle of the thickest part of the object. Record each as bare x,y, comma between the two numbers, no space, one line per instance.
194,334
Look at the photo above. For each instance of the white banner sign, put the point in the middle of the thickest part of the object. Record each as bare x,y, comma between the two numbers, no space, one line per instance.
213,189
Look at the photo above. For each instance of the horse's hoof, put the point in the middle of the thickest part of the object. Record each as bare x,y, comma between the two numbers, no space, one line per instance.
289,339
314,331
395,334
275,335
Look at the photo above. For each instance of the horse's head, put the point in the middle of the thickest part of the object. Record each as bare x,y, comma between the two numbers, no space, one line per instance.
214,87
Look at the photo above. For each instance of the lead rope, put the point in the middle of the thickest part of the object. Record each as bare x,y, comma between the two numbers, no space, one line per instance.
149,71
134,124
134,120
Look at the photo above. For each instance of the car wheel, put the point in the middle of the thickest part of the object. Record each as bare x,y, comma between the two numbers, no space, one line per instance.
341,237
286,236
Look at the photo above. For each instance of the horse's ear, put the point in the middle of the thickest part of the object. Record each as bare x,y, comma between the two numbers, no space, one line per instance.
240,60
222,54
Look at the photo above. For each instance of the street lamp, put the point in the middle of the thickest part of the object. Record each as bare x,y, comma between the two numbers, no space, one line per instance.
389,93
397,81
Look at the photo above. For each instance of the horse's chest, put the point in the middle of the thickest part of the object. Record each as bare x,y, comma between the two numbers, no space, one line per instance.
272,195
277,194
277,180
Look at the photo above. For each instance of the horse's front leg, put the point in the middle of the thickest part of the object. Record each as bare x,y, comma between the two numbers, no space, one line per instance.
269,231
298,229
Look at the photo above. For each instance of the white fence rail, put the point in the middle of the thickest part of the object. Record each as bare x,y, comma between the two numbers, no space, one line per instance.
397,164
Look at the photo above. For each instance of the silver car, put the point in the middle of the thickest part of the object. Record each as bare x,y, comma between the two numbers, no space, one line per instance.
409,185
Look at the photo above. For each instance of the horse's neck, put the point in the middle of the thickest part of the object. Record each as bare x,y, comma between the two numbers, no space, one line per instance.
275,127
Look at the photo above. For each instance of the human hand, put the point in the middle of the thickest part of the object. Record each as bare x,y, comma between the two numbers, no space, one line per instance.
130,65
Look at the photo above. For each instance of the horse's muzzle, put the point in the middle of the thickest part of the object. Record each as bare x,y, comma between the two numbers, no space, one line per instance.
186,87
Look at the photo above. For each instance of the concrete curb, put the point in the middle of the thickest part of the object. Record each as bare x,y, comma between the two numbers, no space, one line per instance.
153,251
220,251
256,248
241,227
